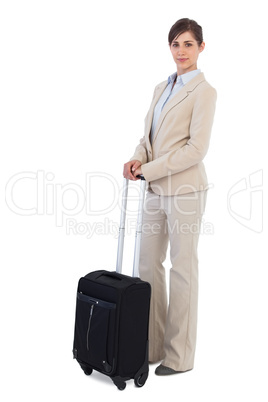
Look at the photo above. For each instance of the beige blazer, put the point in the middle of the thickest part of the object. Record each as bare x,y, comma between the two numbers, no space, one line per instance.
172,164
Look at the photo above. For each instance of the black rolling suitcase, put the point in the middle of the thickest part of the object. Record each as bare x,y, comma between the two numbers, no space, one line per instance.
112,314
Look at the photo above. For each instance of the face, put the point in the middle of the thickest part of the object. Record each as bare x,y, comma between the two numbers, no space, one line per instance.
185,51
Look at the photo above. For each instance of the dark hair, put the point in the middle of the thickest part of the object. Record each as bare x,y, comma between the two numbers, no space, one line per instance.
184,25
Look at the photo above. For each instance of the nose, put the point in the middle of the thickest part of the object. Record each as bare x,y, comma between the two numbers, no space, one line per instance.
181,51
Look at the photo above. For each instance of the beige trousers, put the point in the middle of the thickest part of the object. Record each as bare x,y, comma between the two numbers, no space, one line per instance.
173,323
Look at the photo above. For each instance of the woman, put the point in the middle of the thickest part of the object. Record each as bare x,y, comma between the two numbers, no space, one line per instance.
177,133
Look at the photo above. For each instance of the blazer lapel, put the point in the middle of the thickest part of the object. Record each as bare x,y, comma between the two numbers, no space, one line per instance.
158,92
179,97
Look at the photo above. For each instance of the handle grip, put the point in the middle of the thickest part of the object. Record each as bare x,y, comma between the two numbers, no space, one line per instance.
140,176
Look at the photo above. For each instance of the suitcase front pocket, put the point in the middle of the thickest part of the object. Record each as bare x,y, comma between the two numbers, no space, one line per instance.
94,332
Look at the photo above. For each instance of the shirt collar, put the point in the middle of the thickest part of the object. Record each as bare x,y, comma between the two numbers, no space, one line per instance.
184,78
171,78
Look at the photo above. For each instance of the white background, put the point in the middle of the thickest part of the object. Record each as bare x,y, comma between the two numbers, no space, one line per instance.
77,79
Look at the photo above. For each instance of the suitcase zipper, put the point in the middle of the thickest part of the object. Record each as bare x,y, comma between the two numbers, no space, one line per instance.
89,323
100,303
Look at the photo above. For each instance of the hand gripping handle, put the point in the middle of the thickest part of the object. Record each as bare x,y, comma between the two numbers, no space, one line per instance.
121,237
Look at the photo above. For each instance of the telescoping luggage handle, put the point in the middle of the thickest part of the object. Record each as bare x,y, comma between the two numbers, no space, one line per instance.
120,248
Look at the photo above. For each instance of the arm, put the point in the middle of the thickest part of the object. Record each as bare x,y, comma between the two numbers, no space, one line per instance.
140,152
196,147
132,168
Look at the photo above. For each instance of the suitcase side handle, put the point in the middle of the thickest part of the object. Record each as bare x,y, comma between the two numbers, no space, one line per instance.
121,237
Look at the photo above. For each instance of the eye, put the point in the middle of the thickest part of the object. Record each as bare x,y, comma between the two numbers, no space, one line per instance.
188,44
174,45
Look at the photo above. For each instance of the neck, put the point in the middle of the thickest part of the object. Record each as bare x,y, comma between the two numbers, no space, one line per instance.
181,71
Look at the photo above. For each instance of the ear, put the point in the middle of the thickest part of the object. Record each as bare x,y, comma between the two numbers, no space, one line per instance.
202,47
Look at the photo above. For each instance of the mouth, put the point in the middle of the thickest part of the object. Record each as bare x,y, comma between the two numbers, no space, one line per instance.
182,60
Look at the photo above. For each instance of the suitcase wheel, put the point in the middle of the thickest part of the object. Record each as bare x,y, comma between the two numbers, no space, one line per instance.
121,385
87,371
141,380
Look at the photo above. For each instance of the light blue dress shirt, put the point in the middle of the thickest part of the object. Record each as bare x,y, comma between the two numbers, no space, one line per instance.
169,93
